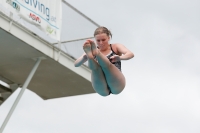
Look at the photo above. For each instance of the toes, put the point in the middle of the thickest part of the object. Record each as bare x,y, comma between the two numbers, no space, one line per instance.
86,45
86,42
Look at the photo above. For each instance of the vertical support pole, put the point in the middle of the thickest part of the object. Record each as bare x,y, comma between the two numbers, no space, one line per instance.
20,94
11,17
59,46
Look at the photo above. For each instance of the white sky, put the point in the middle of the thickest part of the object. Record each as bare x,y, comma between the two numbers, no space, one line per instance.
163,89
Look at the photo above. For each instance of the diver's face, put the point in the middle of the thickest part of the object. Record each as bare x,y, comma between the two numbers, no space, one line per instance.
102,40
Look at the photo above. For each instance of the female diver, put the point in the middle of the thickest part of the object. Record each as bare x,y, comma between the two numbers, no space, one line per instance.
104,60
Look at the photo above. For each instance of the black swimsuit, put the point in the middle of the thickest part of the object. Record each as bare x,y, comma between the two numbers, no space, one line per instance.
112,53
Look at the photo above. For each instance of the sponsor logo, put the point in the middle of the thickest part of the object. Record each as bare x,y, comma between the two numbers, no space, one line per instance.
34,17
13,4
49,30
42,8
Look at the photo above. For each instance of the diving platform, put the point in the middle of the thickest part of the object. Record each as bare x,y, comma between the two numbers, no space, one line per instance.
55,76
30,59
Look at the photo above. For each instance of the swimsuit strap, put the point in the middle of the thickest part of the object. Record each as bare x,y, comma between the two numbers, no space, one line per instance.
112,49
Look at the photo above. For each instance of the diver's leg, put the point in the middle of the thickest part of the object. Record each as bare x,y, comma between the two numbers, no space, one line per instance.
97,76
114,77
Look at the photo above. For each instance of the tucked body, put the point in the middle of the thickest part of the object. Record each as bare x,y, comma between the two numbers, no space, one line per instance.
104,59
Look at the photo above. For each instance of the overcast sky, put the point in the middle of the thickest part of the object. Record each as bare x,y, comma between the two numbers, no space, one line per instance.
163,89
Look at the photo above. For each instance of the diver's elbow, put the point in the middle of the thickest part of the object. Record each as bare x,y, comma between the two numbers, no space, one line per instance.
132,55
76,65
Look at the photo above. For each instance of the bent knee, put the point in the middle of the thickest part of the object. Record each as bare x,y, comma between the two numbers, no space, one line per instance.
103,91
115,91
104,94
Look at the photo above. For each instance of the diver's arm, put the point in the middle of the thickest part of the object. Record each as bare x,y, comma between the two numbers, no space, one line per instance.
80,60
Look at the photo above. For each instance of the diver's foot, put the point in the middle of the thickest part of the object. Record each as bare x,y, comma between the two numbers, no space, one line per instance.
94,49
87,49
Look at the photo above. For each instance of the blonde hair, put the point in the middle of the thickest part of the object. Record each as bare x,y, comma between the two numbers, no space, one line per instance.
101,30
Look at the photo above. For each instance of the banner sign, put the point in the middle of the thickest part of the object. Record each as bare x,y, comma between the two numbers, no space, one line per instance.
45,14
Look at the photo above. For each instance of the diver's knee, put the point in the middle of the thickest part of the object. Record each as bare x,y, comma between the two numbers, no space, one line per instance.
104,94
115,92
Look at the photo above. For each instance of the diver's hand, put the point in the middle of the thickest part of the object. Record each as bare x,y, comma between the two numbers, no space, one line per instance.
115,58
90,41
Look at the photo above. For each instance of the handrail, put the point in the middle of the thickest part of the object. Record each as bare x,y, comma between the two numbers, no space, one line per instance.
75,40
80,13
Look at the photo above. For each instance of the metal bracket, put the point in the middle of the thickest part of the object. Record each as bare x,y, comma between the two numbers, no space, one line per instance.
59,46
13,87
11,22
